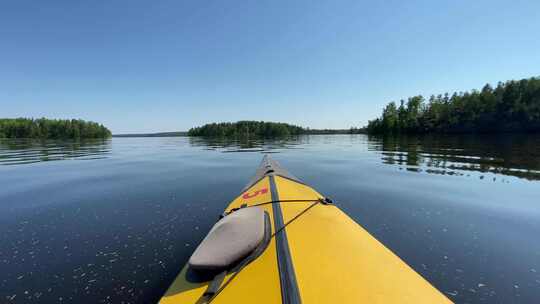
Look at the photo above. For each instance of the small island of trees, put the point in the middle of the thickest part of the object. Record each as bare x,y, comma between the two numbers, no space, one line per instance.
513,106
261,129
246,128
44,128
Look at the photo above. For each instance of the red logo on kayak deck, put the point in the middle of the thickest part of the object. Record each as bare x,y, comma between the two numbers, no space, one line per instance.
248,195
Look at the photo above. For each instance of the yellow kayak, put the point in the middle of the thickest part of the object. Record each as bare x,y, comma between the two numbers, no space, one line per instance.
280,241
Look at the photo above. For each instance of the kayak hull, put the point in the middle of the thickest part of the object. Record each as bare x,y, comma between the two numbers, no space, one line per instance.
317,254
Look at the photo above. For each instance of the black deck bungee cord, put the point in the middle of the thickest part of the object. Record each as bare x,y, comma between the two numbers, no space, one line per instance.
324,201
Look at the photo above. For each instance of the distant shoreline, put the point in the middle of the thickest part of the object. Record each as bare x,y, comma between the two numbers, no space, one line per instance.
185,134
159,134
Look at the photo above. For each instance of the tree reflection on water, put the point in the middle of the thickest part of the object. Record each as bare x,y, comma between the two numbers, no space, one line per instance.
509,154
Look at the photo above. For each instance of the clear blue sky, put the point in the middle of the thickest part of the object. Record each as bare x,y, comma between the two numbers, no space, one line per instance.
145,66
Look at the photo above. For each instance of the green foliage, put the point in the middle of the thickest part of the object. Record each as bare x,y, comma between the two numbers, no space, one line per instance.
511,106
246,128
51,128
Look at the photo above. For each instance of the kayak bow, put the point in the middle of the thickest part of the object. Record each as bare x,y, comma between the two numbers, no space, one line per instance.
280,241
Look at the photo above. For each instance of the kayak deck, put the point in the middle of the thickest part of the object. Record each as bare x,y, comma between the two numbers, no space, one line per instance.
318,255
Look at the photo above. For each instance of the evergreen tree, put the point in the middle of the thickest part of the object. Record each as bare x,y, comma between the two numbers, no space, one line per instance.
43,128
511,106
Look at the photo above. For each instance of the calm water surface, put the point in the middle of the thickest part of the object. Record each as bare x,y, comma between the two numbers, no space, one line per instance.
114,221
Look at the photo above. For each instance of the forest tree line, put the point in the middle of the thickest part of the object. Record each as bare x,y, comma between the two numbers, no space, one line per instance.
509,107
246,128
44,128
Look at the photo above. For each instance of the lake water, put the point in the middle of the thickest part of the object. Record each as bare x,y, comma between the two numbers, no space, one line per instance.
114,221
